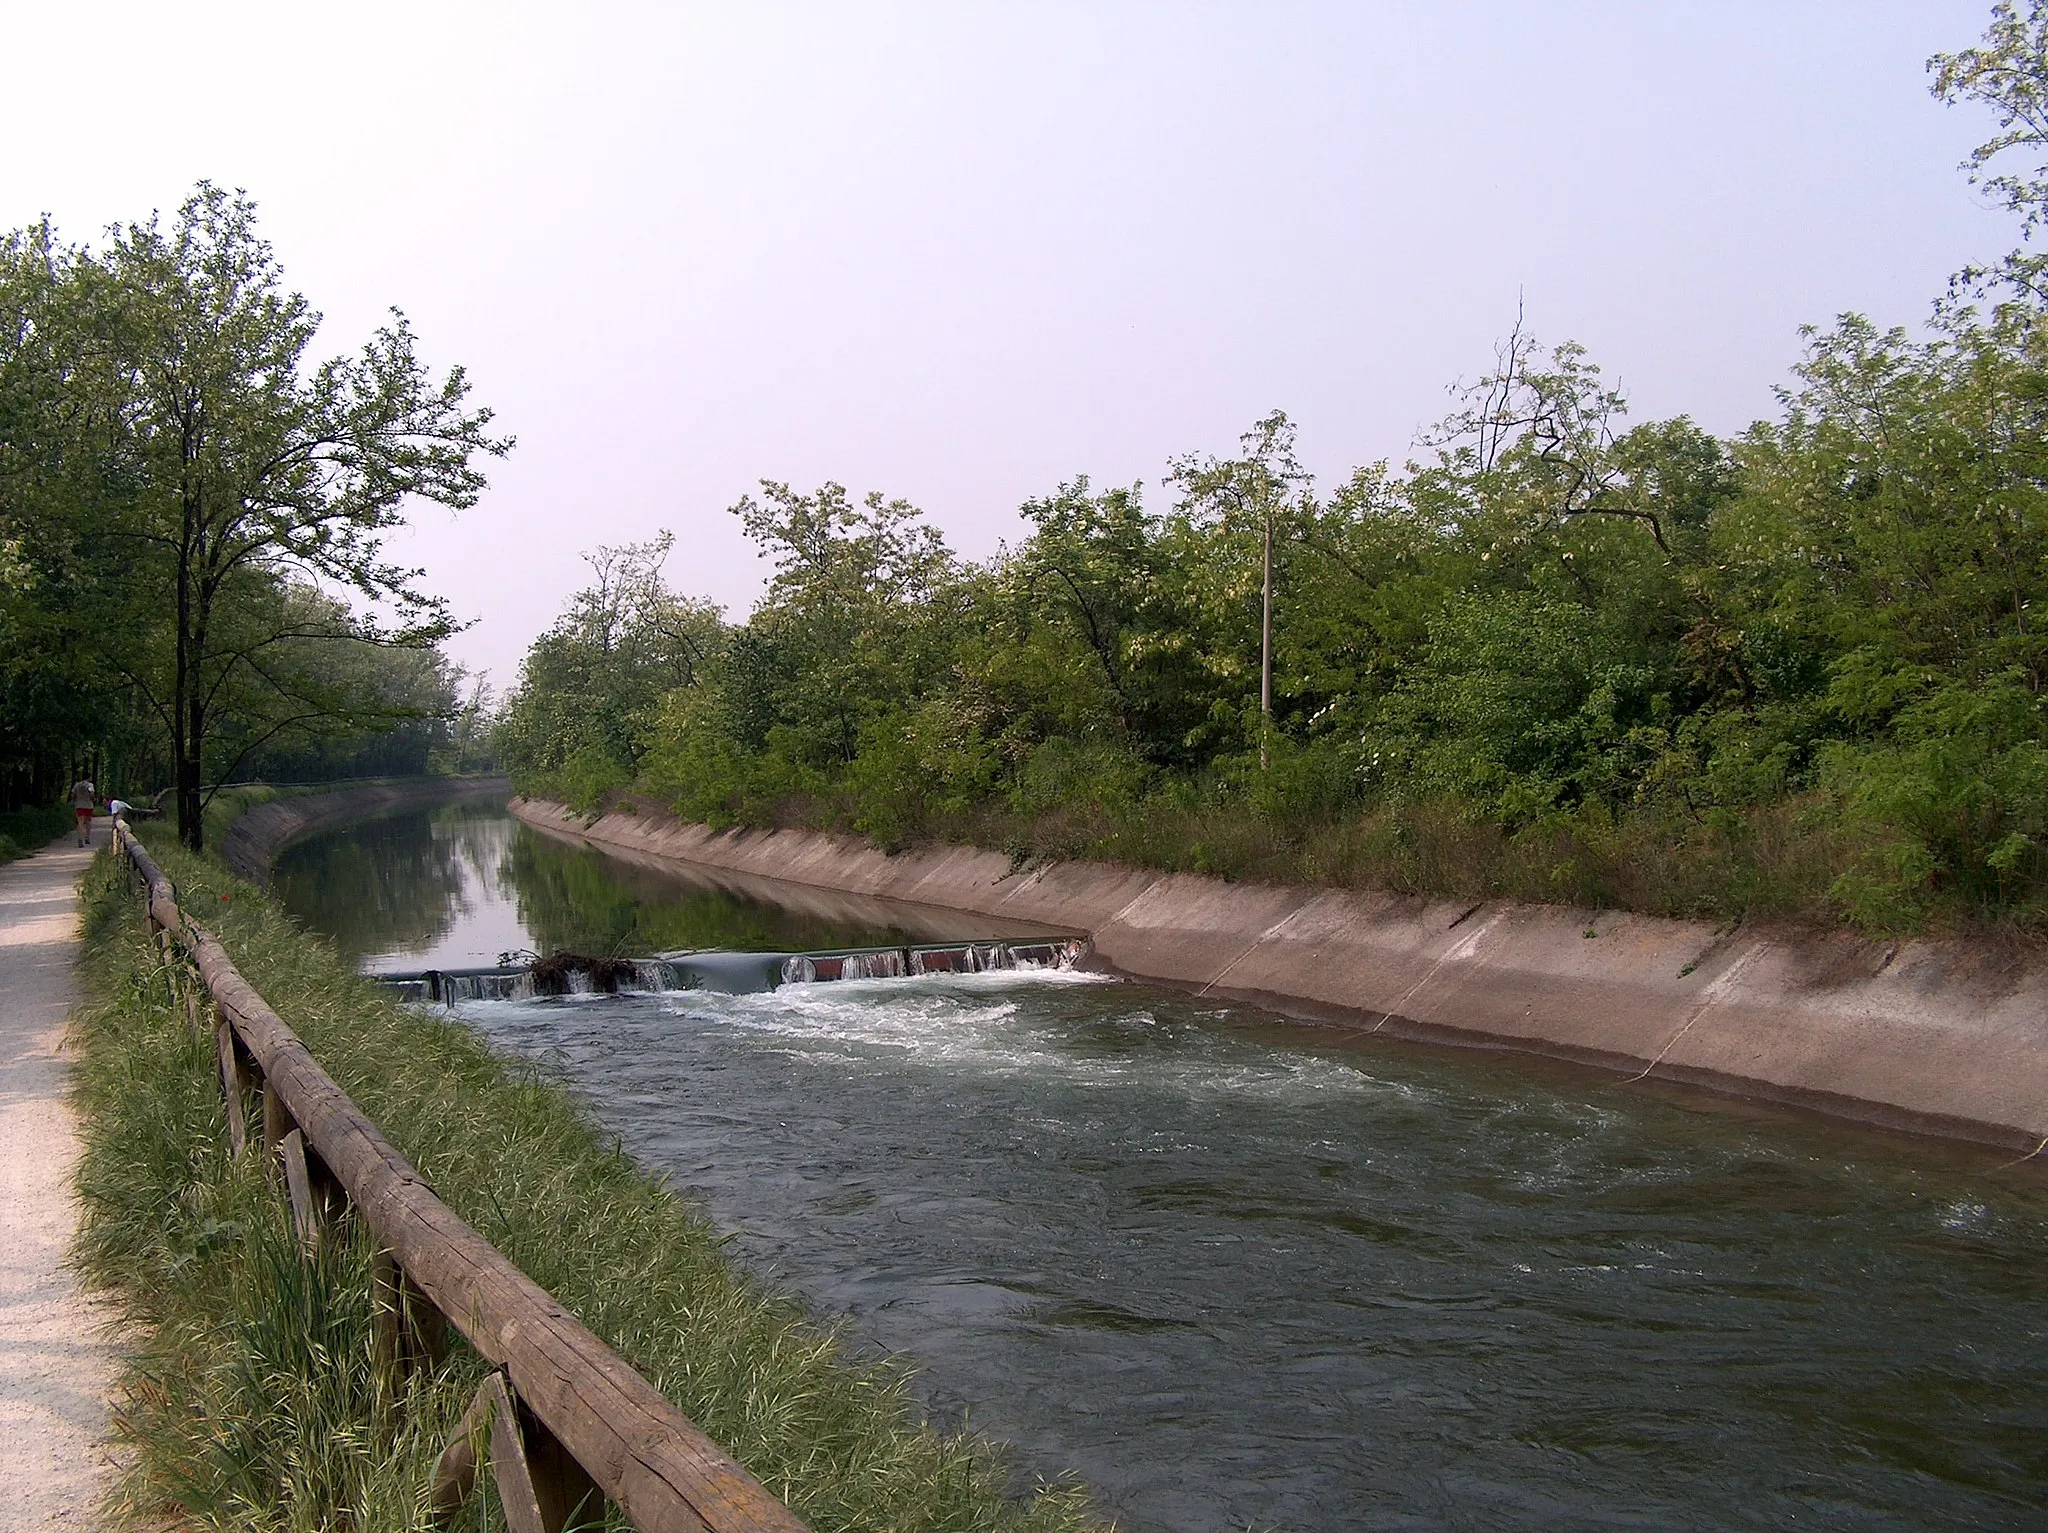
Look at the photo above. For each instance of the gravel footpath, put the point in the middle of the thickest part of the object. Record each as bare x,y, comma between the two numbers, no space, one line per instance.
55,1358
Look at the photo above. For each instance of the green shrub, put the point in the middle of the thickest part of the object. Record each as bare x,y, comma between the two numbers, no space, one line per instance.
31,828
1954,805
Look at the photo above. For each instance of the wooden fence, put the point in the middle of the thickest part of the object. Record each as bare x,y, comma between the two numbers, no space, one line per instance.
563,1422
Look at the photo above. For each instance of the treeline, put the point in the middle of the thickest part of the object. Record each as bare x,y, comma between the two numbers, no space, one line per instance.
1559,656
192,588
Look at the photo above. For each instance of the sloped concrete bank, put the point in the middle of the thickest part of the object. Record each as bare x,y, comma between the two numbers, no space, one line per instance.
1944,1037
251,843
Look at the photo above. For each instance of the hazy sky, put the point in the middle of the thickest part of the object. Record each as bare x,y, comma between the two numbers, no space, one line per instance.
961,252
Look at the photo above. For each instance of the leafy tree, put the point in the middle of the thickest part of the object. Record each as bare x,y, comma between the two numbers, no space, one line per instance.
56,709
592,685
471,745
236,466
1082,634
384,711
839,632
1895,524
1258,493
2009,74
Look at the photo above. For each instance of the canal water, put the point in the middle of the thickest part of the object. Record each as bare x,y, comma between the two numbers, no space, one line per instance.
1240,1274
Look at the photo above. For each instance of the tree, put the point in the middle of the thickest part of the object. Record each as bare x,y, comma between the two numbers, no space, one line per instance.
592,685
1087,570
239,466
836,640
2009,74
1261,488
377,709
54,711
1548,438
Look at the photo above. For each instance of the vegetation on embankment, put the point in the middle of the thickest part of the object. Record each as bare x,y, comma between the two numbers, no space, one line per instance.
249,1400
1561,657
31,828
246,827
231,801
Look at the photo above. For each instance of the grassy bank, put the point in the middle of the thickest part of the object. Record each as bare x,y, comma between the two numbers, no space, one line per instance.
1788,862
249,1401
229,804
30,829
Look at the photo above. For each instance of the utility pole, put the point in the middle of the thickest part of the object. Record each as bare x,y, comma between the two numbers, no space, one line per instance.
1267,482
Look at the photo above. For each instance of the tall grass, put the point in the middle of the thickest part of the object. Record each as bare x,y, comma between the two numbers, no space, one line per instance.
229,804
249,1402
1774,863
1779,862
31,828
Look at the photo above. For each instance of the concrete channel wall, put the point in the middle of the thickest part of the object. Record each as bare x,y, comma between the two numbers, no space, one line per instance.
1946,1037
252,841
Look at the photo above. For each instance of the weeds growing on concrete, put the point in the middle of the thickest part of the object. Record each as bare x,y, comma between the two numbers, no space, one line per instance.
1775,863
249,1402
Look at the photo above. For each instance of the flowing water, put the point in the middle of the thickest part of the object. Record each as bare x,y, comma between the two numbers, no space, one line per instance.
1237,1273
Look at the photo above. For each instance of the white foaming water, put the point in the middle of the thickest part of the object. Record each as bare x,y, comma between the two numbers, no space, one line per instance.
1960,1218
965,1023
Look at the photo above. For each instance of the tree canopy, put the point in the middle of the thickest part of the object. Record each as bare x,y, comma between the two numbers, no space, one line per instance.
1561,653
195,508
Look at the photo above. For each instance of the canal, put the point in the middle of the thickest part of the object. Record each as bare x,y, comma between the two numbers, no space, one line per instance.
1237,1273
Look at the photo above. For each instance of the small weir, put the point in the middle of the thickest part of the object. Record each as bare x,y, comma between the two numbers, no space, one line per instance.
564,973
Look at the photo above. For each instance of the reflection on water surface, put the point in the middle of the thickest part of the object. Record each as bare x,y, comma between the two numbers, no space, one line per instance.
456,886
1242,1274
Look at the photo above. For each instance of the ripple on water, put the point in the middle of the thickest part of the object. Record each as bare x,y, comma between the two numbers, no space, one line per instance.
951,1024
1240,1274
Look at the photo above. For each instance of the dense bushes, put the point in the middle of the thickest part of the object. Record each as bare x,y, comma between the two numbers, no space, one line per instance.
1799,671
1796,672
29,829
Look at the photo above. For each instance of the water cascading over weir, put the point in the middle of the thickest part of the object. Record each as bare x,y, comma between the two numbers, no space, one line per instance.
565,973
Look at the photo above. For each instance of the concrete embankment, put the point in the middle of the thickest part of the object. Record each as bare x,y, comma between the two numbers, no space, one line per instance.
251,843
1947,1037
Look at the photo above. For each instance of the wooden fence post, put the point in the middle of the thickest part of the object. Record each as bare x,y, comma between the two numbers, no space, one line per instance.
161,941
191,988
455,1471
541,1487
277,1118
231,1082
299,1187
426,1328
518,1497
565,1494
406,1331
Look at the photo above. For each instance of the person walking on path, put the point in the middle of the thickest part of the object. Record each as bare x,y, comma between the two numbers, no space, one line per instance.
56,1364
83,796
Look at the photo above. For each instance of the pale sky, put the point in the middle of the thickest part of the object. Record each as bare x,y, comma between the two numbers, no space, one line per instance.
960,252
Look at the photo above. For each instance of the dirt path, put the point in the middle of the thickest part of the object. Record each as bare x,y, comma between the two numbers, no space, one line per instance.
54,1363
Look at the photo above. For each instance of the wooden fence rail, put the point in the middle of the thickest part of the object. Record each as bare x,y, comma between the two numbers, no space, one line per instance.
567,1419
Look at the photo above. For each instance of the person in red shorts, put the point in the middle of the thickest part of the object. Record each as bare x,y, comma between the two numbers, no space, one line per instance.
83,793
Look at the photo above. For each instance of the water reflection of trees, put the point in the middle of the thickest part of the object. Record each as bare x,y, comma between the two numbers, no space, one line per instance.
402,883
381,885
576,898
